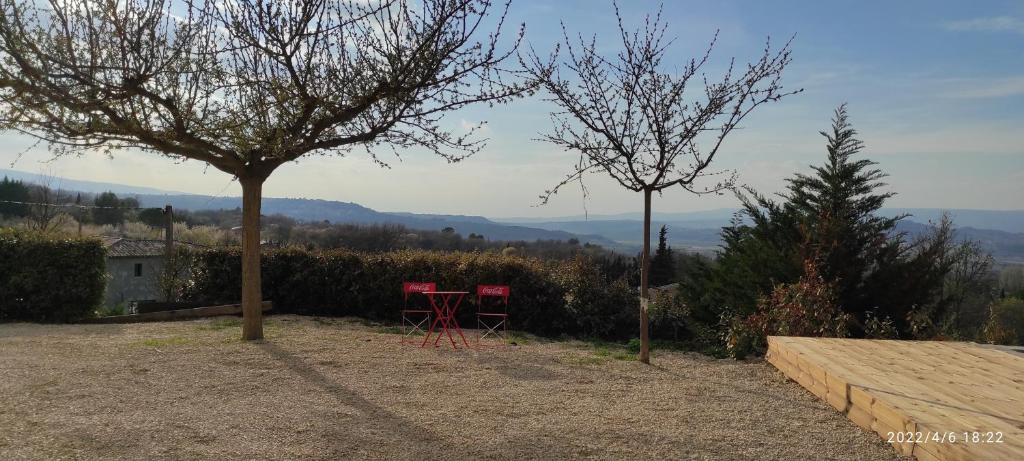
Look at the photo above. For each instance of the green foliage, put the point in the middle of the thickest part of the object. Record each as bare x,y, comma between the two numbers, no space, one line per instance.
968,289
601,309
45,279
604,350
754,258
839,208
110,311
876,327
153,217
668,314
663,270
1006,322
113,209
831,218
176,277
805,308
1011,281
165,342
548,298
222,324
15,191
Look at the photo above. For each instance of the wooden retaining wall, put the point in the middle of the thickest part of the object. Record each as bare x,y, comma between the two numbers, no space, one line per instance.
951,401
180,314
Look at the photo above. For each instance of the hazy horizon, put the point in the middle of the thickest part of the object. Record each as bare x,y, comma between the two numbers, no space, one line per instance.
934,88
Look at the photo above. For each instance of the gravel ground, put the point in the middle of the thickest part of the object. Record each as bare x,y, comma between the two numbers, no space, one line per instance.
336,389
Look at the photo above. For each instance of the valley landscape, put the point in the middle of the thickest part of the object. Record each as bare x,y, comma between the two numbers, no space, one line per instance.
1000,232
511,230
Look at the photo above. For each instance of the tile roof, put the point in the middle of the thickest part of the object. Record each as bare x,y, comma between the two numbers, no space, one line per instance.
118,247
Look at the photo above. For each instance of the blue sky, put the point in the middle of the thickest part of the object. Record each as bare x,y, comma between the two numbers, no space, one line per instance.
935,88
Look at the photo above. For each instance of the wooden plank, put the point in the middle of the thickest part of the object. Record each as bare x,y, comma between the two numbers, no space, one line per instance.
180,314
923,454
838,401
860,417
890,416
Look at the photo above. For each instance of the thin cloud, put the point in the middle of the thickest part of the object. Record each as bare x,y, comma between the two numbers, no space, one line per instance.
971,139
993,24
987,88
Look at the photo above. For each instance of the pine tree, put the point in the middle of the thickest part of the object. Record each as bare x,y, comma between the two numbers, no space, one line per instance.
13,191
839,206
831,217
663,267
111,211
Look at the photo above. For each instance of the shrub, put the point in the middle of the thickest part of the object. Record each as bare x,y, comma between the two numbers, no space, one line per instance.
669,314
805,308
601,309
547,298
876,327
176,276
111,311
1006,322
49,279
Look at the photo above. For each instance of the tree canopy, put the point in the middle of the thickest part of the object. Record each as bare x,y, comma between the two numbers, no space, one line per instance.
11,192
663,263
648,123
246,86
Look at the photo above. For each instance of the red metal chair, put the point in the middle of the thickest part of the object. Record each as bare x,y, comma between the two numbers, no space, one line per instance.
489,320
414,319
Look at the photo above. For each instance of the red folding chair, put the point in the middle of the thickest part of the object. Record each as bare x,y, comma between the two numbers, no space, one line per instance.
490,320
415,319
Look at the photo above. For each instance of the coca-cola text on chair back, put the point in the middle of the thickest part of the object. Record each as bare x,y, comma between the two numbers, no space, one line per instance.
414,318
489,321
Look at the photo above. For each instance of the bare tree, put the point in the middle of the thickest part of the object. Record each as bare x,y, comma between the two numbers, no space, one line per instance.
646,123
969,284
176,274
46,213
246,86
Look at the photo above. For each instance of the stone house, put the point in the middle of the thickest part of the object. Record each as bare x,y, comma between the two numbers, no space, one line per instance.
133,270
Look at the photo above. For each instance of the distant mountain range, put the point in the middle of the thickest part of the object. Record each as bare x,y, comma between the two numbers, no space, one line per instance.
79,185
1001,220
345,212
1000,232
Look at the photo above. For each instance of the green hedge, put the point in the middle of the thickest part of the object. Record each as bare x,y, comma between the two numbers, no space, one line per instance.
46,279
548,298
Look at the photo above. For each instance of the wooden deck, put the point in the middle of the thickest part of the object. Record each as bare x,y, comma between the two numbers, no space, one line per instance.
938,392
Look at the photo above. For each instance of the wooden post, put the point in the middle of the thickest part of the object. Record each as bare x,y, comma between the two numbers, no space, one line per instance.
169,230
81,212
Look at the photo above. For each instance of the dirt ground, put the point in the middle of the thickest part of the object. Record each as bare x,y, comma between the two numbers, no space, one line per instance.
336,389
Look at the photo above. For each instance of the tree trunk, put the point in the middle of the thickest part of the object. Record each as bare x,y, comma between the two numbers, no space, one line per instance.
252,314
645,273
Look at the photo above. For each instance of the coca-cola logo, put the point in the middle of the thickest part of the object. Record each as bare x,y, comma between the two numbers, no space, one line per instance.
493,291
418,287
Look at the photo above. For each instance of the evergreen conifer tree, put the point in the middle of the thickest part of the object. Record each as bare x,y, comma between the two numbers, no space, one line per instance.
832,217
839,206
13,191
663,267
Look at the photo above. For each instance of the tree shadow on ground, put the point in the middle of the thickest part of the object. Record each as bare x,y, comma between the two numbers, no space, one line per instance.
377,418
516,368
25,329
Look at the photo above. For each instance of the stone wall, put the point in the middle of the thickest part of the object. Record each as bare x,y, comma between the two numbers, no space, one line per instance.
124,286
